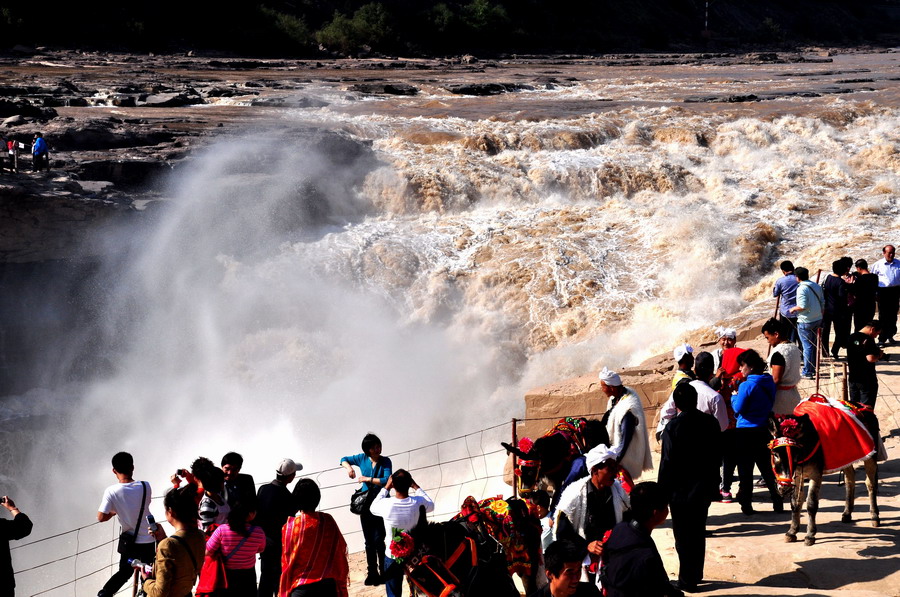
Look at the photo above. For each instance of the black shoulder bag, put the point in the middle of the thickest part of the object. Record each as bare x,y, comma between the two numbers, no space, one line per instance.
128,539
363,498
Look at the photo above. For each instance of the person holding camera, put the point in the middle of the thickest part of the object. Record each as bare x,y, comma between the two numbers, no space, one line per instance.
17,528
130,501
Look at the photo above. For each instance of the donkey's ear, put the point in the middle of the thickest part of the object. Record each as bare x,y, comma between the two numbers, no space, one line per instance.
514,450
774,428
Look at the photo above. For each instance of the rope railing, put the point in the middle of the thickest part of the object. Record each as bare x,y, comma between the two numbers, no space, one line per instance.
483,459
469,462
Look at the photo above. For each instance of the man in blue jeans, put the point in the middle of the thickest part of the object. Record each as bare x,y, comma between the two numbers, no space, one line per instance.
809,309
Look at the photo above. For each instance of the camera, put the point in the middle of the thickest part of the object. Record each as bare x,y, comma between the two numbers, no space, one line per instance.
4,500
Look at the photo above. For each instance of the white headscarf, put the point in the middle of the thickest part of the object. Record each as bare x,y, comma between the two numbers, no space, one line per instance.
723,332
610,378
599,454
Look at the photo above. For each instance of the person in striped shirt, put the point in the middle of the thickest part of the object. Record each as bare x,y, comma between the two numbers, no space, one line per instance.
237,542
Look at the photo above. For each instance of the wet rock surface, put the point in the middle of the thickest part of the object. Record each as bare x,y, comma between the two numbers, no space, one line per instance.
118,124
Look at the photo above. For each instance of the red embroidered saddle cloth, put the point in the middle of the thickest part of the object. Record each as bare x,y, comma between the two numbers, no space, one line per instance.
844,439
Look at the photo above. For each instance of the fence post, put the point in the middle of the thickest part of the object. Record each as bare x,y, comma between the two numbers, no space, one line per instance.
777,304
845,387
818,356
515,444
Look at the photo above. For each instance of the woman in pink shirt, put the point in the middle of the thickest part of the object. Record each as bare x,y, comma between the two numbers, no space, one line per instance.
237,542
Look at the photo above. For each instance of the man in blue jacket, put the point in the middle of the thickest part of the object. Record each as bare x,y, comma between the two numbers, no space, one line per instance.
39,154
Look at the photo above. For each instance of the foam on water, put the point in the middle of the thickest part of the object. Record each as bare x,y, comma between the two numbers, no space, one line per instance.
477,259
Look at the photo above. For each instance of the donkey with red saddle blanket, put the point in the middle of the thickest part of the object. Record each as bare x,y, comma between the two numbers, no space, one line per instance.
823,436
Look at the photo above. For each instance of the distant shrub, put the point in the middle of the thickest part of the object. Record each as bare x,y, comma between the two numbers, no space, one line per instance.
291,27
370,26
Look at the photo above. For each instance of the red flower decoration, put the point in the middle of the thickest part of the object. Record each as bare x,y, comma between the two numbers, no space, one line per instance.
525,444
790,428
402,546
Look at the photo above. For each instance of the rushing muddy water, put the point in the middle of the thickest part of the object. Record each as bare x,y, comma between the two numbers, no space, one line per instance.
496,244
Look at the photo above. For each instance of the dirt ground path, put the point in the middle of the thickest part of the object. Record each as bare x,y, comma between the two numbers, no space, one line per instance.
747,555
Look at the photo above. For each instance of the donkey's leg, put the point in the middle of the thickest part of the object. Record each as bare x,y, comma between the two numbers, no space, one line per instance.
812,505
872,486
796,506
850,491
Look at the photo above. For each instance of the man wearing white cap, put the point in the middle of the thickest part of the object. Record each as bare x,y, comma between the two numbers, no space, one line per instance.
274,506
592,505
626,425
684,356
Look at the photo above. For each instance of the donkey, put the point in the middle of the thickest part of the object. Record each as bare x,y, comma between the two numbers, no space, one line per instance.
797,455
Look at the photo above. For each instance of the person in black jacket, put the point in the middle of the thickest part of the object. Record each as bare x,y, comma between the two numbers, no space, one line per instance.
239,487
689,477
632,565
17,528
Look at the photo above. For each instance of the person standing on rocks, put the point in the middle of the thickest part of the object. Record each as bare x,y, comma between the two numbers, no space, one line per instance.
784,364
786,288
689,476
810,304
888,272
40,154
626,425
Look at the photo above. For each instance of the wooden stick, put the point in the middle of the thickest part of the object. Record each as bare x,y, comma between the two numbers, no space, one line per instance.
515,443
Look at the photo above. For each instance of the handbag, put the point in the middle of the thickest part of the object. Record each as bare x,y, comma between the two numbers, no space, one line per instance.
212,576
363,498
127,539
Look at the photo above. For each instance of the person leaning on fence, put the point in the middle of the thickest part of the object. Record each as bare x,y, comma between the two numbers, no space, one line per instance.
17,528
130,501
374,472
179,557
786,288
314,554
809,309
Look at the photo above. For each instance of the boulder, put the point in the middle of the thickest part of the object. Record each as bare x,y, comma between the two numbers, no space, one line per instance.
172,100
384,88
288,102
486,88
24,108
16,120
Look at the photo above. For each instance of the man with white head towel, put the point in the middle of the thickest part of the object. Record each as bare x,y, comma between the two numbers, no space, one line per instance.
626,425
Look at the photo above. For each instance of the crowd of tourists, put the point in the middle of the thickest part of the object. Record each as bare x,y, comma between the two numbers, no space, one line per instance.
595,532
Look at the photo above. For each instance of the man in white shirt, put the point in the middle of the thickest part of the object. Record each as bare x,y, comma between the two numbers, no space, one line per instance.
888,272
124,499
399,512
709,401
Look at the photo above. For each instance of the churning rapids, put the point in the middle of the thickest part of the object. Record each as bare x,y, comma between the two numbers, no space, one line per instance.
490,244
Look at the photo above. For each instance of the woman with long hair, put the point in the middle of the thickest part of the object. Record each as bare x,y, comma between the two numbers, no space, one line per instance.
180,555
237,542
